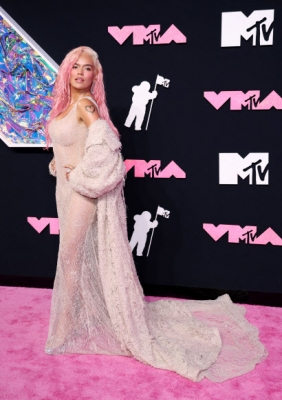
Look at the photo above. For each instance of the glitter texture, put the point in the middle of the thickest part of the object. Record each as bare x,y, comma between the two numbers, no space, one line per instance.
26,84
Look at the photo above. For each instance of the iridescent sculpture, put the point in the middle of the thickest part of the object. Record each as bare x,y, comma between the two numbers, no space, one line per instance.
27,77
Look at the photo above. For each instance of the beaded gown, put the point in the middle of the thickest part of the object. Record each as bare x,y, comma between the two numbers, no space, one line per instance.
98,304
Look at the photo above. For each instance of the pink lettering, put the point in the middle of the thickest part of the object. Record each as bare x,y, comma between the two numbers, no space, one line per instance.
139,33
141,167
172,34
272,100
217,100
153,169
246,234
239,99
236,233
40,224
170,170
269,236
216,232
142,34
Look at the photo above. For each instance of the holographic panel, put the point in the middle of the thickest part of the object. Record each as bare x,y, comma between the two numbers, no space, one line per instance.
27,76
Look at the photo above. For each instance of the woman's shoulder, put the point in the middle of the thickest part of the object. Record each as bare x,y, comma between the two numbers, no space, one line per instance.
88,103
87,110
87,100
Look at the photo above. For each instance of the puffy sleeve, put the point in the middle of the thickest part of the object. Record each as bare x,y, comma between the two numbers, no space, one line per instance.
102,167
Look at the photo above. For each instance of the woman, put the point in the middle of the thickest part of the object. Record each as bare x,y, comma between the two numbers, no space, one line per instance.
98,304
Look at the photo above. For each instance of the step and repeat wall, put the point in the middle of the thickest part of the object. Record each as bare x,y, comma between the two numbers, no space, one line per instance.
195,90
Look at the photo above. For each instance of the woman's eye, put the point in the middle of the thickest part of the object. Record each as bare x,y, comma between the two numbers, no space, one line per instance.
75,66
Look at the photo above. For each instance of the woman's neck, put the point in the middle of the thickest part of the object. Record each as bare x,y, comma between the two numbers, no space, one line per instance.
76,95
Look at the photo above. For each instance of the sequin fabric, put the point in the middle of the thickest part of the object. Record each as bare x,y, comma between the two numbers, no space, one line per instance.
26,84
98,304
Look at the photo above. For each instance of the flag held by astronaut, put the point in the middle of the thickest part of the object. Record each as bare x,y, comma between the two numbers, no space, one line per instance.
163,81
162,212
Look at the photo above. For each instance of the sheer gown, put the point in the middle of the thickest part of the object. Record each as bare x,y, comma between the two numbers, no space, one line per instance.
98,304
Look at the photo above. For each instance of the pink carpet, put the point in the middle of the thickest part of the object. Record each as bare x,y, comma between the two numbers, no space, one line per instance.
28,373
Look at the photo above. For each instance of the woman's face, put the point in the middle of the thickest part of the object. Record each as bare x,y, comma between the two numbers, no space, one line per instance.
82,73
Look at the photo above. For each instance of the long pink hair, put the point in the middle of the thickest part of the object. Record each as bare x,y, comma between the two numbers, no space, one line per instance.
61,91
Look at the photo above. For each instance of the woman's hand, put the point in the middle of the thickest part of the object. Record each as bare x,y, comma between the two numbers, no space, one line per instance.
69,169
52,167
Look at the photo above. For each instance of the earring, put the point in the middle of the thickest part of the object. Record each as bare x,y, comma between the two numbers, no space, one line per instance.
92,88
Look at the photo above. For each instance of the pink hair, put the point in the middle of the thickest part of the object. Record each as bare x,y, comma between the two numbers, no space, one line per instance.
61,91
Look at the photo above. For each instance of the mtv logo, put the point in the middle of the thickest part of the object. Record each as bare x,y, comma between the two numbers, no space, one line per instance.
258,26
254,167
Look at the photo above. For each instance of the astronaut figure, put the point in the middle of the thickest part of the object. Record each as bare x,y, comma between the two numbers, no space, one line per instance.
141,227
140,99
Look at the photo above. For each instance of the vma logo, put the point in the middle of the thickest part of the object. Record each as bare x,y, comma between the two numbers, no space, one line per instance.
153,169
247,235
258,26
151,35
254,167
238,99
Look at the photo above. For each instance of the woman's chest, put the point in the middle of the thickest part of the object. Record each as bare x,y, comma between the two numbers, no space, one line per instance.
68,132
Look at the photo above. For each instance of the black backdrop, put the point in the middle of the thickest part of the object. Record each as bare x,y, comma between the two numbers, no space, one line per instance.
184,127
